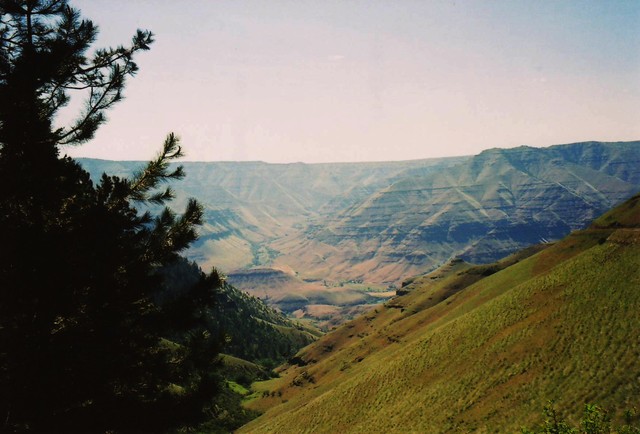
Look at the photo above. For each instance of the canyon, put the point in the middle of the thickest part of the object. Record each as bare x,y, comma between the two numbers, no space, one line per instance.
311,237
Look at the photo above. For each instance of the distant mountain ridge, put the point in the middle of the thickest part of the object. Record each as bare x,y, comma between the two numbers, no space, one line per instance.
382,222
480,209
250,204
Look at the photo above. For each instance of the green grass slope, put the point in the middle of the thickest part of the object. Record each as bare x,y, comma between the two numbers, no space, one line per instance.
479,348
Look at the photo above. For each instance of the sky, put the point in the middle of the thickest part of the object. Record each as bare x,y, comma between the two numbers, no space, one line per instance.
335,81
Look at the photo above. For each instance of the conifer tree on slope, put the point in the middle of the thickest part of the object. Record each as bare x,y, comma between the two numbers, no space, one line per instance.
85,342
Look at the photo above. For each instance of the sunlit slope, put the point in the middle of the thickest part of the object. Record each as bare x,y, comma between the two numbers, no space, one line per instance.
479,348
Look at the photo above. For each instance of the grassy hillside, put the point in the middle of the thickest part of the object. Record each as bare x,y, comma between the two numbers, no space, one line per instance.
479,348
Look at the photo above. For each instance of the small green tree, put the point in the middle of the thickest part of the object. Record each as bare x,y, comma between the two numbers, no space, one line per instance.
87,339
595,420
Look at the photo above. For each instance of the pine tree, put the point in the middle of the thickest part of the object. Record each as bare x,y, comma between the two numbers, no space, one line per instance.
89,340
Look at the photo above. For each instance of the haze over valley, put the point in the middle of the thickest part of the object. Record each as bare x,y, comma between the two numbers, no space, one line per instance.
323,240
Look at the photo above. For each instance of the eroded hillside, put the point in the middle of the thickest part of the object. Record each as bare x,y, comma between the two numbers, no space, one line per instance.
481,209
365,227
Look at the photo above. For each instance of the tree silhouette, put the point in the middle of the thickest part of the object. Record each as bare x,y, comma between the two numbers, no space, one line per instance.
87,341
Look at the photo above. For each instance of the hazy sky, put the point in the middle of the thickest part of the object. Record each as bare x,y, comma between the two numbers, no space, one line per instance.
319,81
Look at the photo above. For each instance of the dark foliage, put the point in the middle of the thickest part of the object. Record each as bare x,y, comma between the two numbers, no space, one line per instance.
254,331
85,343
251,330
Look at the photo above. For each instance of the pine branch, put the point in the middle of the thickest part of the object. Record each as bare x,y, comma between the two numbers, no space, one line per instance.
157,171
